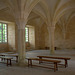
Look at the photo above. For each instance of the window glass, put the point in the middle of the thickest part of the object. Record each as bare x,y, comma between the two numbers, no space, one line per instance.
26,34
3,33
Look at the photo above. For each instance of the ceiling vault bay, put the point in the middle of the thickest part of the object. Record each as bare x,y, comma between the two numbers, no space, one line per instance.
50,11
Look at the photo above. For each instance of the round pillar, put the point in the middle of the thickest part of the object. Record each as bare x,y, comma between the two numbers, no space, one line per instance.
21,43
51,39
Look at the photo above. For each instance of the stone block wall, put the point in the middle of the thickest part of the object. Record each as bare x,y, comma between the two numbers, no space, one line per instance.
39,38
32,37
11,37
10,45
59,42
3,47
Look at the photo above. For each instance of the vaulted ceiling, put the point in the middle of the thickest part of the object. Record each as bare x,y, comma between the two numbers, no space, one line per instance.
46,11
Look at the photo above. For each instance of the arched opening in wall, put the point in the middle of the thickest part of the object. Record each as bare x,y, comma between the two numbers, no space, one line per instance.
30,37
58,38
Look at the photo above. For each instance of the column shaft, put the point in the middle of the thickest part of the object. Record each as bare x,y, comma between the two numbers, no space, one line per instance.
21,46
51,39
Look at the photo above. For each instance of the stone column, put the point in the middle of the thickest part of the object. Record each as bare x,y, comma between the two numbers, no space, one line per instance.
64,36
39,31
21,44
51,39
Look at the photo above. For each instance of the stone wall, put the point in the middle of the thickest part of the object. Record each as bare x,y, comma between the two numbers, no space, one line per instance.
60,43
37,45
39,38
10,45
3,47
32,37
70,35
11,36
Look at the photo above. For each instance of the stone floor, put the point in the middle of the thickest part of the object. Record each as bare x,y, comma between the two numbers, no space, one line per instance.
16,70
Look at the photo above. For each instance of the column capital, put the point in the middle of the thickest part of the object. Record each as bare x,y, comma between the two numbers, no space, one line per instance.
21,23
21,26
51,28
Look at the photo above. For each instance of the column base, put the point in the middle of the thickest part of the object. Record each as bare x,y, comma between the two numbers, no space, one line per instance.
52,52
23,64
